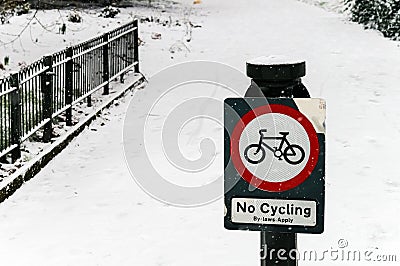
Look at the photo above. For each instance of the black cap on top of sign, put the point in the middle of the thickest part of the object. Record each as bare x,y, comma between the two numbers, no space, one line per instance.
275,68
277,76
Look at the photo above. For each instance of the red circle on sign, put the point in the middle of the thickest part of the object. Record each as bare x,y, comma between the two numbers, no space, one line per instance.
260,183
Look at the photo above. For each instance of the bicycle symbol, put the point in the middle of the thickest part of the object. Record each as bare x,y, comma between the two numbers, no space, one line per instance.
293,153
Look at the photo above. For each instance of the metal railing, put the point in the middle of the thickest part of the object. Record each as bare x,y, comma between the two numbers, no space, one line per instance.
32,97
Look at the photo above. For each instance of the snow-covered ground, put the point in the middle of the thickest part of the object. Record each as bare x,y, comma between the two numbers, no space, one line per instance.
85,209
331,5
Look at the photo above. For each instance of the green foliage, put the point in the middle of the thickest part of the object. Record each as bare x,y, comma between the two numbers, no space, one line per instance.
382,15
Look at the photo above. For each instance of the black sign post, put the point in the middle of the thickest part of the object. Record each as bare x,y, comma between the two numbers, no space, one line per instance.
274,159
277,80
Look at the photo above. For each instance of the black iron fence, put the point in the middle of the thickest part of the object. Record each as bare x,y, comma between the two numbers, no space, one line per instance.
32,97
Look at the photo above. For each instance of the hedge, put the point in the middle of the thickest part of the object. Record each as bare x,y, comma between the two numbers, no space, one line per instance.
382,15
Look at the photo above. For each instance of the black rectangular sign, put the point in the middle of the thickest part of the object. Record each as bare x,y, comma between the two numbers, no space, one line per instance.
274,176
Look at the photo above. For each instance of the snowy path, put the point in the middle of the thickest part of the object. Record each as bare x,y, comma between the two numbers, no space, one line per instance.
85,209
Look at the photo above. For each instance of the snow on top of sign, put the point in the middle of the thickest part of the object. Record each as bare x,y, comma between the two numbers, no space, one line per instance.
275,60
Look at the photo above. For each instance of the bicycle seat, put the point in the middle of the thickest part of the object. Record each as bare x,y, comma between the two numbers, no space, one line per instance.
284,133
262,131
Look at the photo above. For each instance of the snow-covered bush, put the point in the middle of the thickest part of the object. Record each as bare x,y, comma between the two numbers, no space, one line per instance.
383,15
22,9
9,8
109,12
75,17
4,16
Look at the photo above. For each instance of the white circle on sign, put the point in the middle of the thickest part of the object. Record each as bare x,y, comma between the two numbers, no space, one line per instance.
284,151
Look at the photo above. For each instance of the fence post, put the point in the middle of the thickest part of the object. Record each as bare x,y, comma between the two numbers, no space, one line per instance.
15,117
69,75
89,101
136,45
47,92
106,67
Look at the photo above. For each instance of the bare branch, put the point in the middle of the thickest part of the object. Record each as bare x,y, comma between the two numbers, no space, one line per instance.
23,30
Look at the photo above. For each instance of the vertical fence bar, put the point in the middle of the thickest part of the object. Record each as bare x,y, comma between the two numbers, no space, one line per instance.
15,117
2,130
89,71
24,97
69,81
124,56
136,45
111,46
47,92
106,67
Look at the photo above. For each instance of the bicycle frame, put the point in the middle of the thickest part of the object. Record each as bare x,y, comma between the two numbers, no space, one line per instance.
283,141
278,152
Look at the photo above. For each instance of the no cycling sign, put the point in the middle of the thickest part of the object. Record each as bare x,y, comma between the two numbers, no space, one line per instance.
274,164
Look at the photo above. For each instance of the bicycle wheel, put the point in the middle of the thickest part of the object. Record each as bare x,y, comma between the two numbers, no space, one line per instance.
296,154
250,154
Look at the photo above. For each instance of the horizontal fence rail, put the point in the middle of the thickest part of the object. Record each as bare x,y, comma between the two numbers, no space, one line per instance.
32,97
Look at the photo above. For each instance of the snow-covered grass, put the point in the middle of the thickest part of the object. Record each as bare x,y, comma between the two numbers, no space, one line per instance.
85,209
